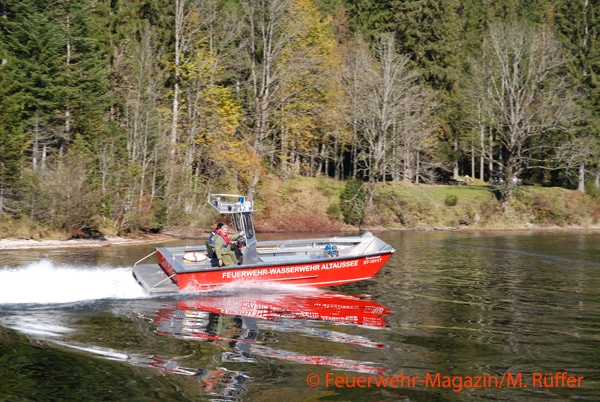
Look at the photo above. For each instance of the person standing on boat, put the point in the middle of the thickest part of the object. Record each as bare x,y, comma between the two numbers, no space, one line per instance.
225,253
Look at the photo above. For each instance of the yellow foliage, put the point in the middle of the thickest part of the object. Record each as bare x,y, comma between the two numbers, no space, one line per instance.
309,87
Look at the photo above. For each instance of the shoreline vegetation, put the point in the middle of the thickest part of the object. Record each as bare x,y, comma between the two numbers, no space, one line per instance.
23,244
315,205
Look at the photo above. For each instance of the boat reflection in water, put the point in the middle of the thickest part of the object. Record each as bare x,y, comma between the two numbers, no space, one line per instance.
234,322
215,381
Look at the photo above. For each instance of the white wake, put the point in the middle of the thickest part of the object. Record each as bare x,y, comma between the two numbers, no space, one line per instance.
43,282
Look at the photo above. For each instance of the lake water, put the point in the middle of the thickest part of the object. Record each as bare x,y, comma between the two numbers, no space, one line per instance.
453,316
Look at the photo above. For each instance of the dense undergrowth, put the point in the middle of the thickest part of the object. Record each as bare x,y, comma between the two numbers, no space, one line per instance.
326,205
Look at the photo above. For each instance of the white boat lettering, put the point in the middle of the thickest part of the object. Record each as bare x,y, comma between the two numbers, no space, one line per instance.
372,260
293,270
244,273
340,264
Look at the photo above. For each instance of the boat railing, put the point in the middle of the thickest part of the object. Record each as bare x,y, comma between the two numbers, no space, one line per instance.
148,256
180,250
163,281
315,242
347,246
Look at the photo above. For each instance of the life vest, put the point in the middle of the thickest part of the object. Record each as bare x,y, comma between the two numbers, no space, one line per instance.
217,232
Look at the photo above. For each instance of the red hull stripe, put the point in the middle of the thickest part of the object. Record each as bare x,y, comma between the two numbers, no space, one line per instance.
321,273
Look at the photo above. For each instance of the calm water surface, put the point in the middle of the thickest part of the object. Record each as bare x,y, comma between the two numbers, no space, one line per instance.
451,317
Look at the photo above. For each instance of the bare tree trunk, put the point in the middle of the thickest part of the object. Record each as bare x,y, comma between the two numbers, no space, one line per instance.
490,155
44,157
417,173
455,172
179,16
507,188
35,149
473,159
581,178
482,157
68,63
407,168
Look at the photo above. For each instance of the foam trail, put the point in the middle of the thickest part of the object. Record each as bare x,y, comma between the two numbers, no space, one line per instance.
39,325
44,283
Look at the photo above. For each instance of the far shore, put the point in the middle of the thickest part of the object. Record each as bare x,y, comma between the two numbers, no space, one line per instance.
21,244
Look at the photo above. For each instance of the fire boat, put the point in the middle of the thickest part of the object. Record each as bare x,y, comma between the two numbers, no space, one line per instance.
314,262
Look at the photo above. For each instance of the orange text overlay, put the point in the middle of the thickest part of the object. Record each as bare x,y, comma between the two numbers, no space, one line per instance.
456,383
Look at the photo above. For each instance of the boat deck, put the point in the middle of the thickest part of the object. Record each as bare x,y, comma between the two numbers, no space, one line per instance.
153,279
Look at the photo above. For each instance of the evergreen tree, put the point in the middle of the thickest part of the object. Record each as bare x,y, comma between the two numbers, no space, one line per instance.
37,44
12,140
578,22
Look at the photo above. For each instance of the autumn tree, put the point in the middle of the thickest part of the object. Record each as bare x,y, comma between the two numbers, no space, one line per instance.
289,50
526,95
388,102
309,66
211,149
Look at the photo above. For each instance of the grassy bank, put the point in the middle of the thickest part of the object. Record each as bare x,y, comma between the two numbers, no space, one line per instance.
314,205
306,204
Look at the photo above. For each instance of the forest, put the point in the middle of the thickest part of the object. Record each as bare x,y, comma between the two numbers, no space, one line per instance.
120,116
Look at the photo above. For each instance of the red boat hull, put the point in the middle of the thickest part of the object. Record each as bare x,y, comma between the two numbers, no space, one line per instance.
316,273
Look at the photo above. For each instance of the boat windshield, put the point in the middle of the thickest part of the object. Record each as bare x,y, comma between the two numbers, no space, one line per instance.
243,222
